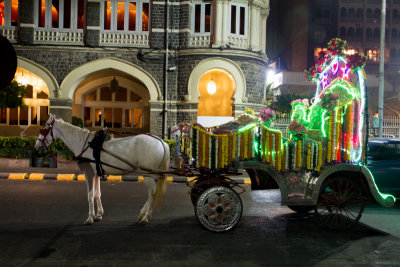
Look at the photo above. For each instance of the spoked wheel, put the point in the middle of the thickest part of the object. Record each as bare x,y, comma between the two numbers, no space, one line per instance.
203,183
340,204
219,208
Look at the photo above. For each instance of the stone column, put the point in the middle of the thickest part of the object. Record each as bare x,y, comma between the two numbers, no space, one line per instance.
218,19
92,33
254,27
225,21
62,108
263,29
26,29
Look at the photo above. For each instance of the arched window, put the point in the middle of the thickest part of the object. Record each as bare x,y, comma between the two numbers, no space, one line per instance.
360,13
395,14
393,52
369,13
8,12
351,12
394,35
359,33
343,12
342,32
377,13
350,32
368,33
376,33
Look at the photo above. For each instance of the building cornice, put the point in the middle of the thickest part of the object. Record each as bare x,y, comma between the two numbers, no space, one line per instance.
223,53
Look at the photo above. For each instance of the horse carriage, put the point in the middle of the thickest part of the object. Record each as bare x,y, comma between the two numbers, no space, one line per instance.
321,167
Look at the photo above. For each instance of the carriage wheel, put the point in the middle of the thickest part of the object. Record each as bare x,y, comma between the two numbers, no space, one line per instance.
301,209
219,208
202,184
340,204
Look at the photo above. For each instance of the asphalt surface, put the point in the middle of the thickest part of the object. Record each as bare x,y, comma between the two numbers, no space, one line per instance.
41,225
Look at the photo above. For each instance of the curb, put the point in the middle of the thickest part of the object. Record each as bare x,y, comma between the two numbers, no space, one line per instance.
109,178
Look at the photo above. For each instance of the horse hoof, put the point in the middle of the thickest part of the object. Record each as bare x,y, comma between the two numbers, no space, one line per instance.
98,218
89,221
142,222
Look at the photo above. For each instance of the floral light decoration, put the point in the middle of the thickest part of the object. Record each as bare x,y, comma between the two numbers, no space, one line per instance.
297,130
357,61
304,102
329,101
267,116
336,47
249,111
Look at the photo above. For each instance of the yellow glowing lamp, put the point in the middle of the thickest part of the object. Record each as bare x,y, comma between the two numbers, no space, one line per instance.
211,87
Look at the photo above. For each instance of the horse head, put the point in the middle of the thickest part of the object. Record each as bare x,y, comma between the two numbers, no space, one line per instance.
46,137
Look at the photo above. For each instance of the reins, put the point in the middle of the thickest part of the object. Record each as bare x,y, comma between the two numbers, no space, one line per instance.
48,128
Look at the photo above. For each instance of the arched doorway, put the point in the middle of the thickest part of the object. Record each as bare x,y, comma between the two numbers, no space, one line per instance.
36,100
112,99
229,72
216,89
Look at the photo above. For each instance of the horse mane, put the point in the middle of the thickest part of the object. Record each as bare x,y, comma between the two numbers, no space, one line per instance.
69,129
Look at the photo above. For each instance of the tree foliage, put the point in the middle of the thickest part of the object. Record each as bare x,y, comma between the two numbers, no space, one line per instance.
11,96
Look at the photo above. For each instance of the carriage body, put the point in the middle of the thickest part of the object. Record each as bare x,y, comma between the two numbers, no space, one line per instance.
326,169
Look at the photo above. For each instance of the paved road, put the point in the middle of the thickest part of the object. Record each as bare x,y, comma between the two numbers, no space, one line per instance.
41,224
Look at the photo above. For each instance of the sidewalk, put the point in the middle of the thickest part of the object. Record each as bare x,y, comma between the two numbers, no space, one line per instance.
71,172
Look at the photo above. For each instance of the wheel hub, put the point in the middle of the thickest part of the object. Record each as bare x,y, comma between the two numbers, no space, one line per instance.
219,208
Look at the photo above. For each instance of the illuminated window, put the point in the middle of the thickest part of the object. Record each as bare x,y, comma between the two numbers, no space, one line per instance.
123,109
202,18
317,50
372,54
8,12
60,14
126,15
238,19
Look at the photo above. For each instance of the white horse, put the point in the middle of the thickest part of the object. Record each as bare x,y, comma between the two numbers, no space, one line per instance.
138,152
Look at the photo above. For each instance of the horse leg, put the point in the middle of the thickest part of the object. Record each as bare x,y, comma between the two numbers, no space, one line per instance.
97,197
145,212
89,175
156,193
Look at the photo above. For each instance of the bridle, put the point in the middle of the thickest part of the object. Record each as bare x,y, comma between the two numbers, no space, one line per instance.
47,128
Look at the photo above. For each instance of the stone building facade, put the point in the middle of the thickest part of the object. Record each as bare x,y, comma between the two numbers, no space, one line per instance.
143,65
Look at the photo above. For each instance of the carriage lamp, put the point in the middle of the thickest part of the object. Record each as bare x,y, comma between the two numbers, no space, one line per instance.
211,87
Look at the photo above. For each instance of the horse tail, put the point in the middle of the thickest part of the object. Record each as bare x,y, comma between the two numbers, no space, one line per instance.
161,185
165,162
161,188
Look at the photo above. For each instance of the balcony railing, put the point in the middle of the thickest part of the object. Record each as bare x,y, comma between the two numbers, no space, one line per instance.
238,42
124,39
44,36
200,41
10,33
